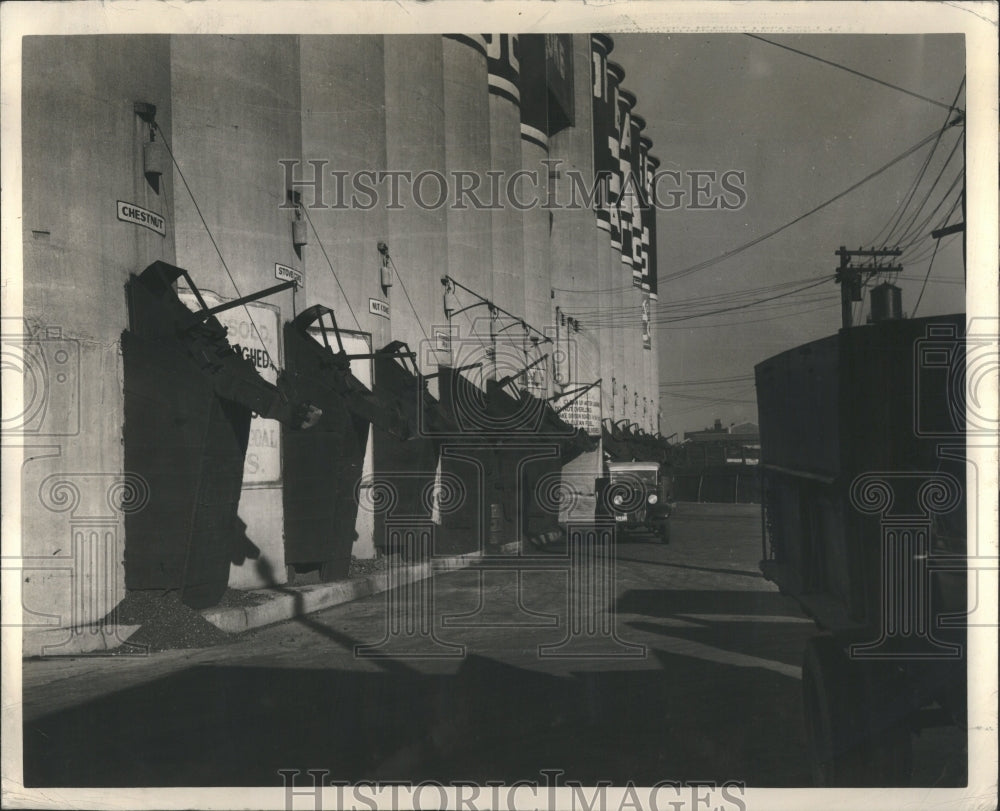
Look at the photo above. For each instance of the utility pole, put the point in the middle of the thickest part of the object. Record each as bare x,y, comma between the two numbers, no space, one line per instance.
849,277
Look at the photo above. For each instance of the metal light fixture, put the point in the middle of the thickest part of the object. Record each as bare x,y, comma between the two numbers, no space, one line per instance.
300,231
155,158
385,272
450,299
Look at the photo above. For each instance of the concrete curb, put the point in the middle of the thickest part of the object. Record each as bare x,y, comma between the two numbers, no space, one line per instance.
287,602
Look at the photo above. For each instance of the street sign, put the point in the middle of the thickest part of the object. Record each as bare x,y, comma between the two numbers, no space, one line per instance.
127,212
287,274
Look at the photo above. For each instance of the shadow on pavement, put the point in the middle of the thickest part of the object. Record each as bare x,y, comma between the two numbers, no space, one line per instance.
672,565
220,725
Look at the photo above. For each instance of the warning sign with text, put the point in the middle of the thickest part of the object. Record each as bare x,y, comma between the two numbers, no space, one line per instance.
253,330
581,411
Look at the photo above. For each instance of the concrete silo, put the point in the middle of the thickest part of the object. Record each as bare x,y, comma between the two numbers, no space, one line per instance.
85,188
601,47
470,229
503,62
574,251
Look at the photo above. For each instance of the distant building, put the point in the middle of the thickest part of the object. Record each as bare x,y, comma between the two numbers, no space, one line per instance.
716,464
737,444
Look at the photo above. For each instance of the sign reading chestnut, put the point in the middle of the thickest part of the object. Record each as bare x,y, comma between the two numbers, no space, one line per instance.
127,212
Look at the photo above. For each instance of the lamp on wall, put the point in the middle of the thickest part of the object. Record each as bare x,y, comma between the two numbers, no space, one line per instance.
385,272
450,299
155,158
300,231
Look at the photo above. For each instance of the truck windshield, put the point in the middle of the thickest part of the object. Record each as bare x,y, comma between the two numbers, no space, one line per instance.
646,477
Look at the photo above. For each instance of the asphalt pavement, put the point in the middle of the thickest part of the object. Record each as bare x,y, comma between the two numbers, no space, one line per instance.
668,662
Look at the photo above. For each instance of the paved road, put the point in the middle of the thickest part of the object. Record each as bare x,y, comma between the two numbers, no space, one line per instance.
700,680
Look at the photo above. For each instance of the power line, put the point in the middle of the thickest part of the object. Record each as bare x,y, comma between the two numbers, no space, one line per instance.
790,307
319,241
914,233
626,317
622,289
734,251
405,293
686,304
671,320
215,244
706,381
717,325
921,173
857,73
924,285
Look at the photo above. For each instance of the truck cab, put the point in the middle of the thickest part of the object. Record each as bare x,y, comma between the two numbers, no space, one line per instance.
639,496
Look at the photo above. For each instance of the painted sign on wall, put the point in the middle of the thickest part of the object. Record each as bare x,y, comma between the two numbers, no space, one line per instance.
258,341
583,413
127,212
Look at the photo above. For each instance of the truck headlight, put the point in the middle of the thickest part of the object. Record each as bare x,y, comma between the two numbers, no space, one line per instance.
653,498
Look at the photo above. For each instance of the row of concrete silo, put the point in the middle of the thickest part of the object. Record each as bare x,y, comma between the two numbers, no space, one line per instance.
249,120
627,220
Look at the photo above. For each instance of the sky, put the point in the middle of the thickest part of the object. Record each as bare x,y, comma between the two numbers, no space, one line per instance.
802,132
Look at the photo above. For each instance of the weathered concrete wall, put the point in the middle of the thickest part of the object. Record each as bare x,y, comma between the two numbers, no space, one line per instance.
616,272
232,108
467,150
574,252
343,123
506,219
82,152
236,115
415,143
537,262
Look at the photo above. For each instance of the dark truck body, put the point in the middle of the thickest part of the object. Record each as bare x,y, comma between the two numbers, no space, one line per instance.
863,513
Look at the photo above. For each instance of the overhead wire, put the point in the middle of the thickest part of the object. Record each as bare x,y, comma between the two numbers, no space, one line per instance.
674,319
713,298
926,277
706,381
897,217
211,236
757,240
322,247
916,234
402,284
911,227
743,322
859,73
788,307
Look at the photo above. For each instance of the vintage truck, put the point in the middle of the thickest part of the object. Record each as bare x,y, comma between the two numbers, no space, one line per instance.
863,477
